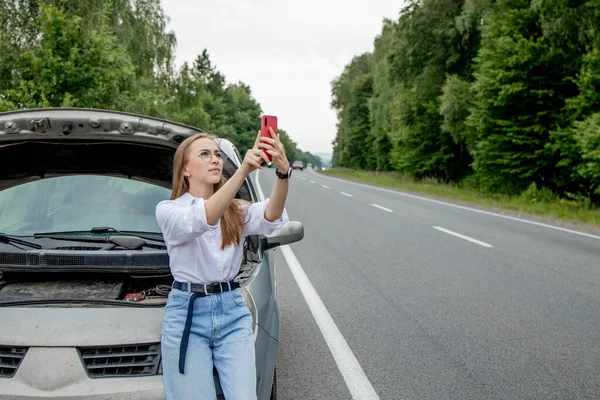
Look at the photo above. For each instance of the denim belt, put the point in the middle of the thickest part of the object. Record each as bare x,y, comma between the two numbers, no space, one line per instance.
197,290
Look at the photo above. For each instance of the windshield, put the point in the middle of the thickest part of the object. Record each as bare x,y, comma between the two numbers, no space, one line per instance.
80,202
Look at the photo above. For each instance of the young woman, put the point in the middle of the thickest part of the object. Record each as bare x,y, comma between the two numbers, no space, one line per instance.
207,322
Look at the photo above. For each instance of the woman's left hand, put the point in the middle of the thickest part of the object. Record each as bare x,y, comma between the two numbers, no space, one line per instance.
275,148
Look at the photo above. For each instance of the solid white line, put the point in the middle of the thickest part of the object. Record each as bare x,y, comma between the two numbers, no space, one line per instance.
382,208
493,214
346,194
353,374
325,186
470,239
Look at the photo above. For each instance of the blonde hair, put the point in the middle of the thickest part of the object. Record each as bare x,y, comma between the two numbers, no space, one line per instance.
232,221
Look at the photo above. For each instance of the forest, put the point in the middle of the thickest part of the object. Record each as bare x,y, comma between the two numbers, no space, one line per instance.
497,95
119,55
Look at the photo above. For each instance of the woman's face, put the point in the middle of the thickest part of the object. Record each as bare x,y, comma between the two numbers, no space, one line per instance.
205,163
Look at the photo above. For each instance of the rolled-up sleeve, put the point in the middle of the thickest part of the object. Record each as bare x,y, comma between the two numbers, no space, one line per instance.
256,224
180,223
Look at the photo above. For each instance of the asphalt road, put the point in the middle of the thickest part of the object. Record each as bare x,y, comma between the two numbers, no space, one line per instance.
434,301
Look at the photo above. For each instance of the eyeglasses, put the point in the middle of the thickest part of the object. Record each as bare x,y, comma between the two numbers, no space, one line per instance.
207,156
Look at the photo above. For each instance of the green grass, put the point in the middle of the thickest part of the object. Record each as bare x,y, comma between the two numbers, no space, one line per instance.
531,202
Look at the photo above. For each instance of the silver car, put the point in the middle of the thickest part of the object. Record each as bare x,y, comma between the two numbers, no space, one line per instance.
83,267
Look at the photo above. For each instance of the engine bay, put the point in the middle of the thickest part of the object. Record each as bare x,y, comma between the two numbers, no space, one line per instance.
28,287
82,287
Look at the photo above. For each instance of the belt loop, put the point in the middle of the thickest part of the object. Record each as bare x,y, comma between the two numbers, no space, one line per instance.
189,287
205,291
229,285
221,287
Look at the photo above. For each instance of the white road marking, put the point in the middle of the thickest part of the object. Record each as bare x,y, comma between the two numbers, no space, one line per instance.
325,186
382,208
346,194
470,239
359,385
312,181
558,228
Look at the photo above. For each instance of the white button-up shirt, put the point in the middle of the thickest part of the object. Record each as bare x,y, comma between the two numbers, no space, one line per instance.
194,246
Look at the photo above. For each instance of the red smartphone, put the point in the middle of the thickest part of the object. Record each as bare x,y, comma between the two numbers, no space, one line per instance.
267,121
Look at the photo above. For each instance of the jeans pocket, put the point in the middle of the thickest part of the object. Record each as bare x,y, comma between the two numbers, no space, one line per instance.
177,300
239,299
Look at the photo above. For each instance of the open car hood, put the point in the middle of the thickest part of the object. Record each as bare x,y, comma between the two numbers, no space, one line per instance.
43,143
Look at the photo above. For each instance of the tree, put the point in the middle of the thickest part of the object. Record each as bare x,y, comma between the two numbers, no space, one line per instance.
343,97
427,45
523,83
382,98
587,134
358,141
505,90
455,103
115,55
69,65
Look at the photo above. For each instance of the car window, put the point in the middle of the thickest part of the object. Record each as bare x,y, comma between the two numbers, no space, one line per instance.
80,202
14,214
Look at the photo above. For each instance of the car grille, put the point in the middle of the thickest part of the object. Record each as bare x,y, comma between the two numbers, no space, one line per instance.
10,359
42,260
55,260
120,361
13,258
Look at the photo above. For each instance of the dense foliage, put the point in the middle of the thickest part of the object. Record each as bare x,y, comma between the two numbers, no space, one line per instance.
118,54
502,95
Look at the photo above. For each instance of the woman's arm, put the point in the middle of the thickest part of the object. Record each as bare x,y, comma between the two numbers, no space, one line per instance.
180,224
255,222
279,193
277,201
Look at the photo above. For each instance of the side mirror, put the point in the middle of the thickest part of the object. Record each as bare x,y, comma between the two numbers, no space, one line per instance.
292,232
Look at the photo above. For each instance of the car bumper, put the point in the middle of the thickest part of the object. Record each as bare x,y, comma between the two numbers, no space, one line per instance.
53,368
67,379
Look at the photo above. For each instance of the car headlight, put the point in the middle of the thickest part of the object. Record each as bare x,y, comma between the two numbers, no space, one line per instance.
251,306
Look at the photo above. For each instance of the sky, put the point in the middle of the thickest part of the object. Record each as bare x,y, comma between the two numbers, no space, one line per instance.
288,52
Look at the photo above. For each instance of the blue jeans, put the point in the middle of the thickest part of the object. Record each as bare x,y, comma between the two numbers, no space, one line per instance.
221,335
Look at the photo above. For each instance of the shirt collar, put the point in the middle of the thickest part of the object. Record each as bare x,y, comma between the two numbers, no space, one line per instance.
187,199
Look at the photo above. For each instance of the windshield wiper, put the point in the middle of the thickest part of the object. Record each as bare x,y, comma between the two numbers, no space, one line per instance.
144,235
12,240
100,230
